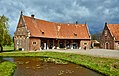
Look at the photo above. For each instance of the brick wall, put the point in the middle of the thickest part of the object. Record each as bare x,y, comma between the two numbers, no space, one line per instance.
107,39
116,45
34,44
86,43
21,42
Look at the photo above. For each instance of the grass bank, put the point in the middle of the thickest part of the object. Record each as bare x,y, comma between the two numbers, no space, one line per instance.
7,68
105,66
8,48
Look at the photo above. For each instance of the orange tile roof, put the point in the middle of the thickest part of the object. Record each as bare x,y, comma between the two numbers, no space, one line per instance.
42,28
114,30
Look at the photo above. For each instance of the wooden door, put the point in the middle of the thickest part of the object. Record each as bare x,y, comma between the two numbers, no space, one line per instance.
107,46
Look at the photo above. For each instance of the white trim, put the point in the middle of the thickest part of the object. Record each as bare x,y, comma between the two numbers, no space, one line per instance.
88,31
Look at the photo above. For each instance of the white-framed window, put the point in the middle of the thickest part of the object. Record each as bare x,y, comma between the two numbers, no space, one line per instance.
34,43
105,32
85,43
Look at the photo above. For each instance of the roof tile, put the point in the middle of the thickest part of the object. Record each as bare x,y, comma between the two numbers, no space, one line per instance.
56,30
114,29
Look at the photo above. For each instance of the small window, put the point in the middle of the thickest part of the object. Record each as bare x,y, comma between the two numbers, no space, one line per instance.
42,32
105,32
75,34
34,42
85,43
18,29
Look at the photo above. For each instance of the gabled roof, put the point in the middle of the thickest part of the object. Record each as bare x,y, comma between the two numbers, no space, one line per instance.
42,28
114,30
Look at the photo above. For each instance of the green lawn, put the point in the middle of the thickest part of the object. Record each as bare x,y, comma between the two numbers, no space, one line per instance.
7,68
105,66
8,48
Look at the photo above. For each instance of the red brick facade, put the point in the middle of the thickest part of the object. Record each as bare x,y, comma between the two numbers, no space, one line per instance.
110,35
34,43
36,34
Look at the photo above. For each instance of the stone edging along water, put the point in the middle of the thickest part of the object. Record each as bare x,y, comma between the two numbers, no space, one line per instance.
100,65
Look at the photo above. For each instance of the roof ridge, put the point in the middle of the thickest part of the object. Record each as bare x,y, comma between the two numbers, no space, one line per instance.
55,22
51,29
110,30
113,29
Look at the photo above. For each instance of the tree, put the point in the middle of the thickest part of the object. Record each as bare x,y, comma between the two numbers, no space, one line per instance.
5,38
96,36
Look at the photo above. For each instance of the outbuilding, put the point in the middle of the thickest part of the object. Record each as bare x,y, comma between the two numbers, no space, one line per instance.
36,34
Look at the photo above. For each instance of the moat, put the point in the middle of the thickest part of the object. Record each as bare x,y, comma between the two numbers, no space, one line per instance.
39,67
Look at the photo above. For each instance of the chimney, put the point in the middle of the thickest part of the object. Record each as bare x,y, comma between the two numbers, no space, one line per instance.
21,13
32,15
105,23
76,22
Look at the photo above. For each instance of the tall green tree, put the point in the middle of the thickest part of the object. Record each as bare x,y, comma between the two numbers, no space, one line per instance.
96,36
5,38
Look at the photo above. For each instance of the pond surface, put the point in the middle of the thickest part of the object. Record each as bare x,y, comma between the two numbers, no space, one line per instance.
38,67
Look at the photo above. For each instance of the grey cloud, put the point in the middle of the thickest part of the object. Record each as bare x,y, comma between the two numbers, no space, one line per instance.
94,12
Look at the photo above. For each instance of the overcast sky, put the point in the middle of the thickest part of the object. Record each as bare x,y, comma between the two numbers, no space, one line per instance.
94,12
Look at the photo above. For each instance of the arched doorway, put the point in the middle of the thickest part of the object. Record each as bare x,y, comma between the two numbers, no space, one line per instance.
62,45
107,45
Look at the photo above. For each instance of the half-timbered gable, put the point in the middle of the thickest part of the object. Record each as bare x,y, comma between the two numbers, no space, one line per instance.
21,36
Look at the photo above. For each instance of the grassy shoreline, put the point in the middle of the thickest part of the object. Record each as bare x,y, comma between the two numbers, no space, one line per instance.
105,66
7,68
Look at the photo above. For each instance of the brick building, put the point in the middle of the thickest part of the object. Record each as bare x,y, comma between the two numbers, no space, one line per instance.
110,37
36,34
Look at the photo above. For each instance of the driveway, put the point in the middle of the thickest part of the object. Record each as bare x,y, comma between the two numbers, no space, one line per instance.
93,52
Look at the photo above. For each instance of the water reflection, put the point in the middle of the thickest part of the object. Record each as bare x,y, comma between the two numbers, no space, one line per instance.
9,59
37,67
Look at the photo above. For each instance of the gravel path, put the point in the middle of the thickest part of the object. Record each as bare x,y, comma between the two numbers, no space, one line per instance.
93,52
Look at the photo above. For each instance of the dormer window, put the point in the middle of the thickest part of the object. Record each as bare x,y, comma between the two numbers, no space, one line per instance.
75,34
42,32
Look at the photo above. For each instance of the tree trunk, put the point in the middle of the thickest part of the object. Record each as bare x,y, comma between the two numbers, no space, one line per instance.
1,48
